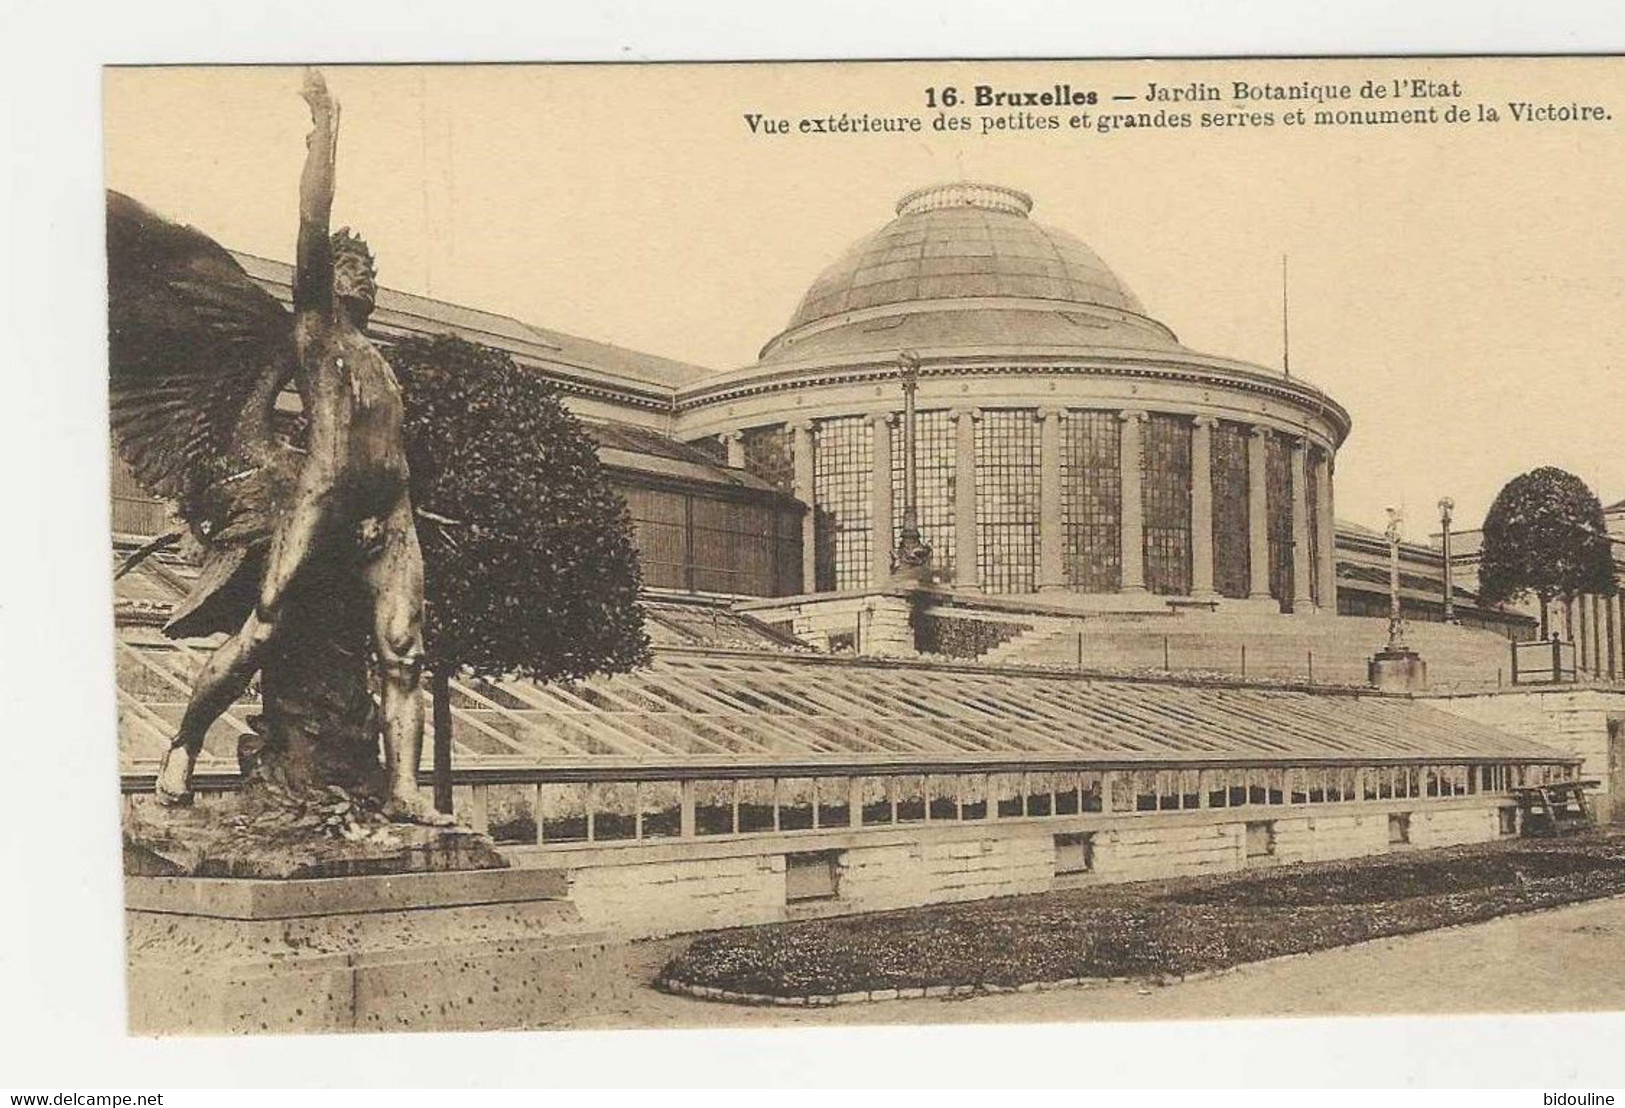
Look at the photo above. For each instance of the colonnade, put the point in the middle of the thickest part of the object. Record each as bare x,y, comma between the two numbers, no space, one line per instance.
1312,555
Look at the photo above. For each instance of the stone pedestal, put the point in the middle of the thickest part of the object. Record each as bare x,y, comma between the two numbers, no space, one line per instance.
242,839
1397,669
472,950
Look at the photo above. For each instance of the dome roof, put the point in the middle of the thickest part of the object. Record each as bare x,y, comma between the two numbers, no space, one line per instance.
961,241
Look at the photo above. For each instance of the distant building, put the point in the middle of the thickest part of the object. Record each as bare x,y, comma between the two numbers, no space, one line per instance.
1040,376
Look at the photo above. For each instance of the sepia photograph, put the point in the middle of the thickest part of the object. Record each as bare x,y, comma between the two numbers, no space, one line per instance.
1016,546
929,542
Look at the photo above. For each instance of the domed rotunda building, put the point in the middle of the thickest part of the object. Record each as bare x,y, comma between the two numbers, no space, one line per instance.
1067,443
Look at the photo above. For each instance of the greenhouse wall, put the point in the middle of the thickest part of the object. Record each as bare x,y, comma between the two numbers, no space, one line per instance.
643,890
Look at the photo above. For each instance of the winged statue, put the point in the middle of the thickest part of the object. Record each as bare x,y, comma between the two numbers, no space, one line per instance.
311,561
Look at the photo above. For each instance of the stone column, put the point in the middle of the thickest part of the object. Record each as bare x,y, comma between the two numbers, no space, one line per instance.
1258,514
1328,534
1132,525
966,573
801,452
882,538
1303,595
1051,559
1202,509
1609,605
1596,636
734,443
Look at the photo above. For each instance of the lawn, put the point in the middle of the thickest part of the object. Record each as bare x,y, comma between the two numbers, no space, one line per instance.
1153,929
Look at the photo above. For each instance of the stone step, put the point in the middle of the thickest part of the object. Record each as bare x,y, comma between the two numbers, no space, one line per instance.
1276,647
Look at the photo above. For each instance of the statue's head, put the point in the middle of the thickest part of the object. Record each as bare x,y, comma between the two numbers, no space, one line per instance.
354,274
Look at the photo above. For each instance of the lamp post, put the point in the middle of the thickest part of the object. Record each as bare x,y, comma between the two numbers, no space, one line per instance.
911,560
1396,667
1446,506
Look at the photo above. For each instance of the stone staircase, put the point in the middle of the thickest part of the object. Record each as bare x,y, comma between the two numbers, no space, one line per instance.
1328,649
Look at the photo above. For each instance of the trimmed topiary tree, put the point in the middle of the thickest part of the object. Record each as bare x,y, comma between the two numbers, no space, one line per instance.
528,559
1545,535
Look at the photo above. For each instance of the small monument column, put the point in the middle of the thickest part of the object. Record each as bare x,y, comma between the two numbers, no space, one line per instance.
1396,667
911,561
1446,505
733,443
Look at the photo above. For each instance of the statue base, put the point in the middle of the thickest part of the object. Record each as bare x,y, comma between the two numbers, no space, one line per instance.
239,839
413,952
1397,669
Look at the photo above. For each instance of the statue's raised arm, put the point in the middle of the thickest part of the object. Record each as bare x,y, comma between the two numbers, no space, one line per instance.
313,271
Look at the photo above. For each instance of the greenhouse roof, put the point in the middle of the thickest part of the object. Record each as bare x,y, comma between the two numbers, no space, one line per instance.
743,711
727,692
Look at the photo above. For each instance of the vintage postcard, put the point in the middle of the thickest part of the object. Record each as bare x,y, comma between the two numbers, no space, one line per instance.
784,544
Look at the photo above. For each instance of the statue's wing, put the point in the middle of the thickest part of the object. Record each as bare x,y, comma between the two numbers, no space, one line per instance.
197,355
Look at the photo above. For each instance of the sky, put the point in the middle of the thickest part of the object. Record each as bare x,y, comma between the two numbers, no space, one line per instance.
1460,288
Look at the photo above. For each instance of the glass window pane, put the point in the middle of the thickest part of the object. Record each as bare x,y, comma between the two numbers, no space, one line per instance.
1275,784
1278,494
973,801
1005,789
614,810
842,464
564,812
796,798
662,809
1168,789
1166,496
1040,794
1145,791
1122,786
1066,794
1007,500
943,792
934,477
713,807
1091,784
1232,550
834,802
756,804
1238,787
910,798
510,813
1091,501
1257,790
876,801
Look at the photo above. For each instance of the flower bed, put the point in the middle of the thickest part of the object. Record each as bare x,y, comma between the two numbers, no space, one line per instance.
1155,929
